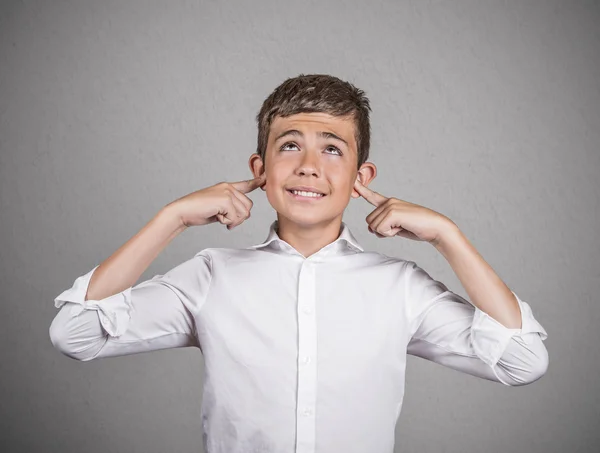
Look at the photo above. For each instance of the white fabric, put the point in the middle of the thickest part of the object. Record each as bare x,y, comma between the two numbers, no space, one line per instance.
301,354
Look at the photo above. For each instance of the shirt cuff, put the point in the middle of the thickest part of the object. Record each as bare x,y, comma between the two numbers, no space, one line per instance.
490,338
113,311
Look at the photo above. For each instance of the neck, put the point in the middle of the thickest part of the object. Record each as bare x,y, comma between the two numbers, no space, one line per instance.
308,239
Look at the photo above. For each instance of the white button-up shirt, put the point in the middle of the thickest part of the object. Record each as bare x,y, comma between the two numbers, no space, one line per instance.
301,354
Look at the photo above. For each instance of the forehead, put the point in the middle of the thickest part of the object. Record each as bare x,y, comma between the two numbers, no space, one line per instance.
342,126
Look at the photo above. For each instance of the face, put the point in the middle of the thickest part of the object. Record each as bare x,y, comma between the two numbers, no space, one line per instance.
322,153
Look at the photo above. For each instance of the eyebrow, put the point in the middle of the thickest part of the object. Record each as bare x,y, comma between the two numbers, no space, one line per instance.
322,134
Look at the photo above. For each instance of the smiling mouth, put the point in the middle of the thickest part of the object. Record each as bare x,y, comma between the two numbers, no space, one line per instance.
304,198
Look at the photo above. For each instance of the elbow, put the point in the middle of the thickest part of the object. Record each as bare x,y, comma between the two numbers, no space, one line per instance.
72,339
60,339
523,363
538,367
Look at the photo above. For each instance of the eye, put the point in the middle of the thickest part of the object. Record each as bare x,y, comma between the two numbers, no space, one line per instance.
289,143
293,144
335,148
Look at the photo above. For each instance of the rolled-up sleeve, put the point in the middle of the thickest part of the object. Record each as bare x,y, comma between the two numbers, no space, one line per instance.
449,330
155,314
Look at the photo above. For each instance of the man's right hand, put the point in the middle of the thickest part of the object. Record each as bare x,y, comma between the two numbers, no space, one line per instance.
224,202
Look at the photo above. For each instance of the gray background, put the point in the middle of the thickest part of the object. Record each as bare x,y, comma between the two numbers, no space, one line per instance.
488,112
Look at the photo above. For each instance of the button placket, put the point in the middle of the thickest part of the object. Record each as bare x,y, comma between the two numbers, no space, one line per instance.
307,371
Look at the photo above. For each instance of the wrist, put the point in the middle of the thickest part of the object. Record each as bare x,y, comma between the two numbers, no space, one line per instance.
448,232
171,215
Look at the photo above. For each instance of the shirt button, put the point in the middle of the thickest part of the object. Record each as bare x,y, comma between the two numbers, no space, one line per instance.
307,412
307,310
305,360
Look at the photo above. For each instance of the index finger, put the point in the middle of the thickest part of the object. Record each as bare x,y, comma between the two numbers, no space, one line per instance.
370,195
250,184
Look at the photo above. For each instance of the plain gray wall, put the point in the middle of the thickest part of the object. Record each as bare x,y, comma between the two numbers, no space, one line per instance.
488,112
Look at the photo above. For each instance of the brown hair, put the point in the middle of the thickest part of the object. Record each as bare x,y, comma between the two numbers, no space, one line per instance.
321,93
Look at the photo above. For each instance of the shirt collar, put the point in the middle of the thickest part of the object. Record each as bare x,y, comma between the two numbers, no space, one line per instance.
344,243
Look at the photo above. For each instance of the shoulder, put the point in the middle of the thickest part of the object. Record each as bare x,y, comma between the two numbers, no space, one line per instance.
221,255
377,258
381,264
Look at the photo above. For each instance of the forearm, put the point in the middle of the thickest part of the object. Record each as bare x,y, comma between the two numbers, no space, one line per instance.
125,266
485,289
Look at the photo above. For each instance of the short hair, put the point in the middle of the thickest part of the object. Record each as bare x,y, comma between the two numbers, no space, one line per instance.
308,93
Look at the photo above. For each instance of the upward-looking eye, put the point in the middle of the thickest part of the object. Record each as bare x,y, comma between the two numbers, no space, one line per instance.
335,148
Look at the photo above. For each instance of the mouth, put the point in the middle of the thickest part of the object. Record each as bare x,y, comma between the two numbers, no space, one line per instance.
309,198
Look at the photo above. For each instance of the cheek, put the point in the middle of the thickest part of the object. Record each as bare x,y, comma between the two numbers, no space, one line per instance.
341,182
274,182
274,191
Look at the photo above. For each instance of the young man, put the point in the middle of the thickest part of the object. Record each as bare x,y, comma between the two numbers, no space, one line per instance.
304,335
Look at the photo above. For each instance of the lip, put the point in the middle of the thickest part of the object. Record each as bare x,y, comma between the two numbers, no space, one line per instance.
306,189
301,198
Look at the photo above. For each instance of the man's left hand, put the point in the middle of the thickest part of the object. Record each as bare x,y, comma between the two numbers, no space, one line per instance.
394,217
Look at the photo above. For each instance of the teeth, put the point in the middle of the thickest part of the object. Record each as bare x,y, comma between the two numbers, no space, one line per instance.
306,194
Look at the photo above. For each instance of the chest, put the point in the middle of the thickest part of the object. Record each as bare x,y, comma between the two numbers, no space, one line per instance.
285,315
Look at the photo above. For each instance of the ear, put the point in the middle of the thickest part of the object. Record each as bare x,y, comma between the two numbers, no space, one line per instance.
257,167
366,173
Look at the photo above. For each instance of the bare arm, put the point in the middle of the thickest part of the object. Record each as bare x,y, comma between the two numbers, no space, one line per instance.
125,266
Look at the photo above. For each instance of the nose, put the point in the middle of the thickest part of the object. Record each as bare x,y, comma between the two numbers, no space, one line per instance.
308,165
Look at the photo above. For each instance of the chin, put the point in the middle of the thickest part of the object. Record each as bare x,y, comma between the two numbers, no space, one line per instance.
299,213
306,219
